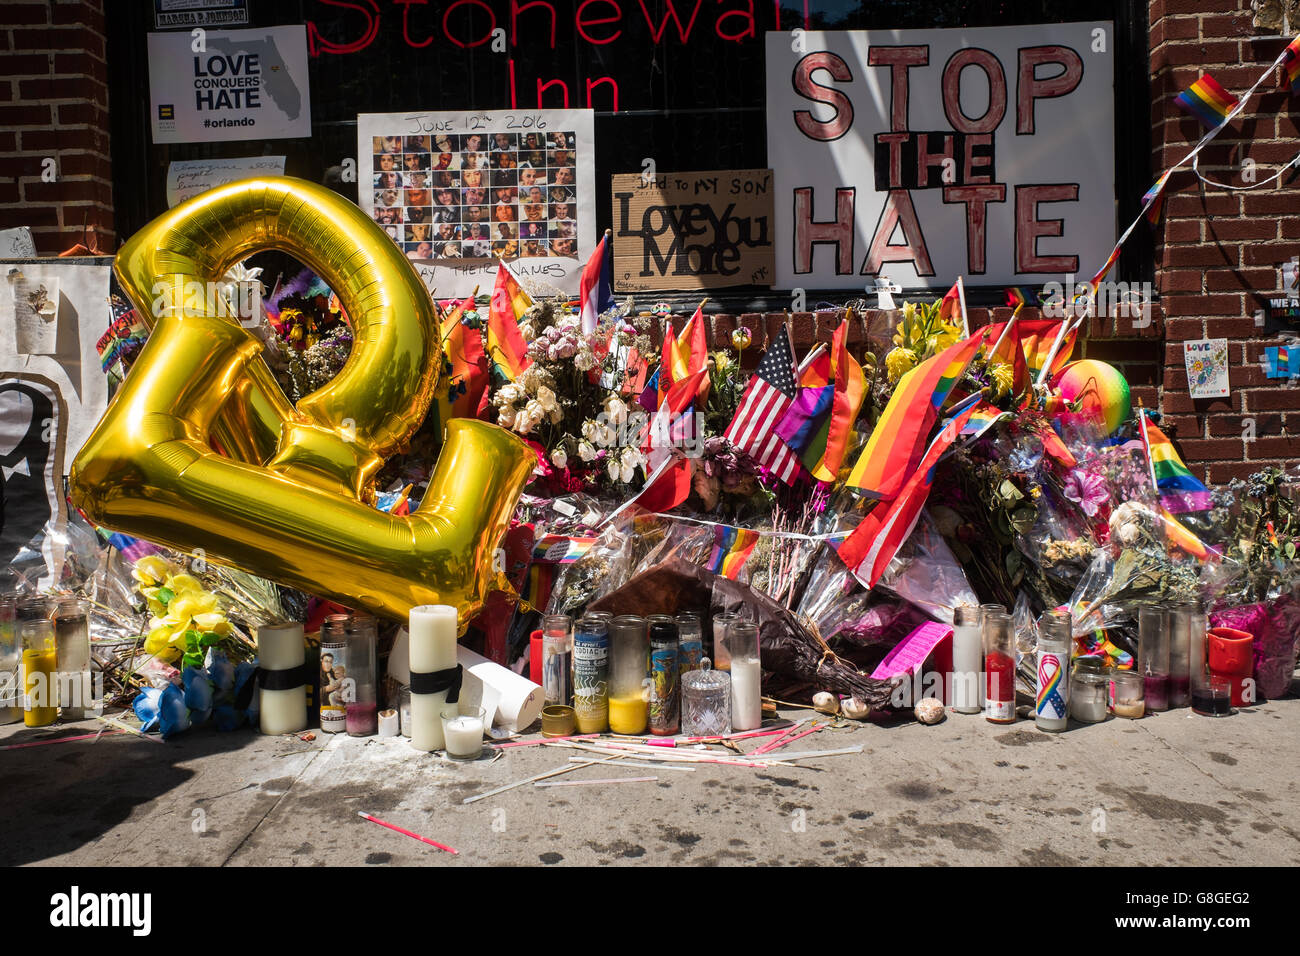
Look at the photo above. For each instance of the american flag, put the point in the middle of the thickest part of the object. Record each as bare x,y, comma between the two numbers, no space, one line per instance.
768,395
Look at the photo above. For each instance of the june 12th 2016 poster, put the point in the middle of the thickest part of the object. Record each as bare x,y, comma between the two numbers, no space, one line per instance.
929,154
457,190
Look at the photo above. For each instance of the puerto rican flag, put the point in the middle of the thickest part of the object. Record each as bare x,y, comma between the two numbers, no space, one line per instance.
596,286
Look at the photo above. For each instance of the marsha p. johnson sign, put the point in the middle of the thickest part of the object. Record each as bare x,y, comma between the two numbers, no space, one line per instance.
928,154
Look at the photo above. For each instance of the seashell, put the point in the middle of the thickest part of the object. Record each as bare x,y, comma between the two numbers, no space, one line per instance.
854,709
929,710
825,703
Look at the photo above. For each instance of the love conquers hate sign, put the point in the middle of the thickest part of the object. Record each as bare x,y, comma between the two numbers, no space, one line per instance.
928,154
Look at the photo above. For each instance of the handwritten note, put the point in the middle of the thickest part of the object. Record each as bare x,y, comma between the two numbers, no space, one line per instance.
188,178
1207,367
912,651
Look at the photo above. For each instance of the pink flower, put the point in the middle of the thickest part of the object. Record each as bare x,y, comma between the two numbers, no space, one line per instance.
1087,491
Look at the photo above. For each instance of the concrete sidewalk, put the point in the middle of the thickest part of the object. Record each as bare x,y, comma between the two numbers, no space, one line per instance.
1170,789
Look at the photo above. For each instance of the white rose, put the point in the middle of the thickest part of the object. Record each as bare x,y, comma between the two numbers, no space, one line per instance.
591,431
558,457
506,417
510,393
615,409
612,466
546,397
585,451
584,360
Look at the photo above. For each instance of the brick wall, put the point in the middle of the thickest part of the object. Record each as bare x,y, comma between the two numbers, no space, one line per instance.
1218,251
54,106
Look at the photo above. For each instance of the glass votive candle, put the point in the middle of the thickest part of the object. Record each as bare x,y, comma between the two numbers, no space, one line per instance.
706,703
462,730
1213,698
1126,695
721,623
404,709
1089,696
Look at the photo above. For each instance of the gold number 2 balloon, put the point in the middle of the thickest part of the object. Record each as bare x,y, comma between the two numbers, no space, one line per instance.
285,493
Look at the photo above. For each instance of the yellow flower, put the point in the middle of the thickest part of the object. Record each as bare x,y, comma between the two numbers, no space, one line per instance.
898,362
721,361
151,570
1004,376
185,584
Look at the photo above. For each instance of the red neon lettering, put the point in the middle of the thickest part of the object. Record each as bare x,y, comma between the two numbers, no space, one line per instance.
406,16
581,24
446,27
747,18
684,34
542,87
517,8
592,84
317,44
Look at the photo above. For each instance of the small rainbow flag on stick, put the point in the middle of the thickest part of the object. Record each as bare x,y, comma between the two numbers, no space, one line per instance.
1207,101
1153,200
731,549
1180,490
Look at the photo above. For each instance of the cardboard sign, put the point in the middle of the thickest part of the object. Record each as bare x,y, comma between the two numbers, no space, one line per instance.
928,154
1207,367
700,230
246,84
188,178
455,187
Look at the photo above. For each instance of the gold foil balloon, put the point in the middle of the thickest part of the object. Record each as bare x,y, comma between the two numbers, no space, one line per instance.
290,497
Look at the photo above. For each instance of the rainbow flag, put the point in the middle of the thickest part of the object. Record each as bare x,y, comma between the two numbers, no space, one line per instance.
950,308
463,385
731,549
1180,490
1019,295
1105,267
1291,67
685,354
561,548
873,543
1180,537
1207,101
897,443
818,423
1153,200
1036,338
537,590
1008,352
983,416
506,346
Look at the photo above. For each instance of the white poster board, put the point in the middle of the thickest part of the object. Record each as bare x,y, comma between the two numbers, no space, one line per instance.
928,154
1206,361
49,402
454,187
187,178
245,84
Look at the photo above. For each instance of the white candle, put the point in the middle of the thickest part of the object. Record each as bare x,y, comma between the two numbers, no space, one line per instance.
464,736
389,723
746,694
432,629
967,661
280,647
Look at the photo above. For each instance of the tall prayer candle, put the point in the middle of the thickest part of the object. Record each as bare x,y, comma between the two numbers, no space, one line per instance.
999,668
967,660
333,664
746,676
433,629
40,706
11,659
1051,702
282,691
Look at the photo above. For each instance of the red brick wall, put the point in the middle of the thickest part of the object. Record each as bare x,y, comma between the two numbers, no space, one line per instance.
54,105
1217,251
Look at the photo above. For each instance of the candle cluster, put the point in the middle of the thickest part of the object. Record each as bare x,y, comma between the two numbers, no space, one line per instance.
45,665
632,674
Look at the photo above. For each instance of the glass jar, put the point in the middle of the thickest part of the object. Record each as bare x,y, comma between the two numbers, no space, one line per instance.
1180,635
557,659
39,663
665,715
1214,698
361,696
629,656
1153,656
72,653
333,668
746,675
999,667
1197,671
706,703
1089,695
1126,695
721,623
1051,702
11,661
690,641
404,709
591,676
967,660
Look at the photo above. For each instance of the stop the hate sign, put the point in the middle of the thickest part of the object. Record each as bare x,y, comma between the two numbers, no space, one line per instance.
928,154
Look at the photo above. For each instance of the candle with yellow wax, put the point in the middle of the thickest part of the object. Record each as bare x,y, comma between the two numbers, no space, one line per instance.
39,659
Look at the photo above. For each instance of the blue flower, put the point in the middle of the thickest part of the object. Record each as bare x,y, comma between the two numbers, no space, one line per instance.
146,708
173,715
198,694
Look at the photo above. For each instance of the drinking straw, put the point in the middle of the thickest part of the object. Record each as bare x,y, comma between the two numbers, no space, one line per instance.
782,741
588,783
56,740
404,832
662,765
539,776
544,740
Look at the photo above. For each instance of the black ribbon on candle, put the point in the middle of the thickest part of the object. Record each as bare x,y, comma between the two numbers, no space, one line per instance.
432,682
286,679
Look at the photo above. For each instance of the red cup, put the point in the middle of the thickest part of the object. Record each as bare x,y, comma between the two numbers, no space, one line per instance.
1232,656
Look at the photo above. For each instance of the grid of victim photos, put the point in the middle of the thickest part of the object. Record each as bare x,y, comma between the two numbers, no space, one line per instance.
474,195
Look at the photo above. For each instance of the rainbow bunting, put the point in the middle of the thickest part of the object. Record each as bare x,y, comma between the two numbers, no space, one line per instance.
506,345
1180,490
1291,67
731,549
1153,200
1207,101
897,443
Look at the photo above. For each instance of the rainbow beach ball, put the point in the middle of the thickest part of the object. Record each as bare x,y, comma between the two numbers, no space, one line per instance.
1101,391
